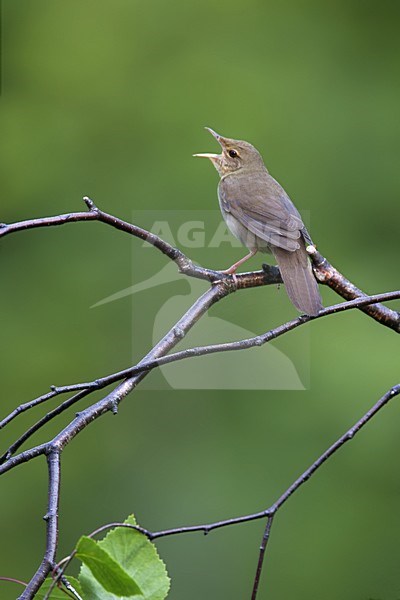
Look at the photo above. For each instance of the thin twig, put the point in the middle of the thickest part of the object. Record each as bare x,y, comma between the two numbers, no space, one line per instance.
95,214
260,563
346,437
87,416
222,286
305,476
23,457
13,580
41,422
261,339
89,387
27,406
269,512
188,353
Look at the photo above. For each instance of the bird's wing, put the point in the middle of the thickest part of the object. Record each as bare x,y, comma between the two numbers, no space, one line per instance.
261,205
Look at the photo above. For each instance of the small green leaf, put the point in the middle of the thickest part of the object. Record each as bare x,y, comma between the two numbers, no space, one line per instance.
138,557
108,572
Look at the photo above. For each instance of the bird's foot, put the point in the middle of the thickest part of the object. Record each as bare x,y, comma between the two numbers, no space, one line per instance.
235,280
232,272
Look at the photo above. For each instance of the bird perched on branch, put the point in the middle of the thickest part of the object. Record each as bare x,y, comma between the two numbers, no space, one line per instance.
258,211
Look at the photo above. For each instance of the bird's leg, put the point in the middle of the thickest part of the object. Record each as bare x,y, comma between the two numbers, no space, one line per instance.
237,264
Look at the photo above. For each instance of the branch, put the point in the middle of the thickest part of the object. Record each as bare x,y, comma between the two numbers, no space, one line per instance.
305,476
94,213
222,285
259,340
51,518
109,403
328,275
149,365
394,391
263,547
323,270
113,399
269,512
39,424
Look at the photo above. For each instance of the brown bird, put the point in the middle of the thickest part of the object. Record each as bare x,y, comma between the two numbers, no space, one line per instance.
258,211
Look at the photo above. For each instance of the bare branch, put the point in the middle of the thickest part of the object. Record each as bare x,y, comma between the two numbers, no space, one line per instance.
222,285
23,457
112,400
263,547
323,270
272,334
268,513
185,265
45,419
108,403
51,518
146,366
328,275
273,509
27,406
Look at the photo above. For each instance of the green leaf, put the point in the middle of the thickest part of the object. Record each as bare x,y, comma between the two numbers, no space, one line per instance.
108,572
138,557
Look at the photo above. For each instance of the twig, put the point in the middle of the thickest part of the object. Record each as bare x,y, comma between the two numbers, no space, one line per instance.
26,406
87,416
272,510
260,563
185,265
222,285
39,424
112,400
13,580
146,366
323,270
272,334
269,512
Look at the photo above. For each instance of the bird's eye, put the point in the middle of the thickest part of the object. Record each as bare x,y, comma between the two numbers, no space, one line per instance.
232,153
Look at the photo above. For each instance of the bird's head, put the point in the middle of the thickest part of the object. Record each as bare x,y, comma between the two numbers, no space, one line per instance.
235,155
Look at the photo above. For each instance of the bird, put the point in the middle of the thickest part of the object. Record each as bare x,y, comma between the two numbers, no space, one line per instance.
258,211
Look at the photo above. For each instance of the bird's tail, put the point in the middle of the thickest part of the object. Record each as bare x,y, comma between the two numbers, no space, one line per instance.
299,280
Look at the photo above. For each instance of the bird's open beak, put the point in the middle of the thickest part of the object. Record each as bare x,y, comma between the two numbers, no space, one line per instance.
219,139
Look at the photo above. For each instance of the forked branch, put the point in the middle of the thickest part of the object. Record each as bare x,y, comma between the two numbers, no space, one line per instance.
323,270
221,286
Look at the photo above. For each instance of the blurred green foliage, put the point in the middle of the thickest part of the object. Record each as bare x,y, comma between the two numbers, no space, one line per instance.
109,99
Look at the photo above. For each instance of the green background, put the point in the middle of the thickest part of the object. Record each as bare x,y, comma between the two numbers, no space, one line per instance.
109,99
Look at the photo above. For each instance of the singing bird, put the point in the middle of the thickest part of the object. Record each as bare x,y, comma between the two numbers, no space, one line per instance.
258,211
